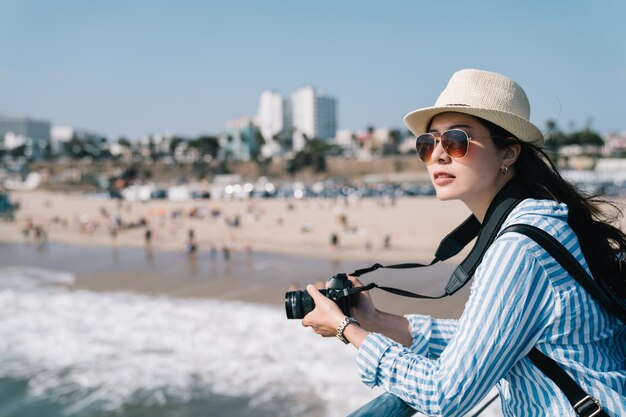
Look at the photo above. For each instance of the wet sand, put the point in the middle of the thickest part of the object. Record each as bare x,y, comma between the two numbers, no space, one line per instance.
259,278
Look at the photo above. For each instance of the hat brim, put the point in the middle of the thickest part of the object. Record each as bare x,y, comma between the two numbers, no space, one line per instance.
417,121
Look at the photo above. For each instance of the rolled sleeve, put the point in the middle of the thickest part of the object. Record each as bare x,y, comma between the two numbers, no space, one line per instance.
369,357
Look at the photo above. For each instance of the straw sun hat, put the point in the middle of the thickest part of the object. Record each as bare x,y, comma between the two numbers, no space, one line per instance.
484,94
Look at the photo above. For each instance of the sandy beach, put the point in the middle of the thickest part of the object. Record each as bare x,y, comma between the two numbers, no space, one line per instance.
245,250
272,245
413,226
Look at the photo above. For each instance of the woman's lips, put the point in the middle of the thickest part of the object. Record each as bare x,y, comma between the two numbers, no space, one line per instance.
443,178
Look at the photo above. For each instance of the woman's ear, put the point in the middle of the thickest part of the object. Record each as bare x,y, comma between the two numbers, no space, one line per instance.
511,153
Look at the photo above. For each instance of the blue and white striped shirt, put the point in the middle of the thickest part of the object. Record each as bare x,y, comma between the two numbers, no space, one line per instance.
520,298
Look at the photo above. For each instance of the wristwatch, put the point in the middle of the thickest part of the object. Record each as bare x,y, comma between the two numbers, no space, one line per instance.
342,326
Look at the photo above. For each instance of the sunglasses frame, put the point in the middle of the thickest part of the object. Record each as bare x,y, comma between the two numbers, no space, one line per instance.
437,138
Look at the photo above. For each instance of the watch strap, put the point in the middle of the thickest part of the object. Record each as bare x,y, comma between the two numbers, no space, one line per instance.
342,326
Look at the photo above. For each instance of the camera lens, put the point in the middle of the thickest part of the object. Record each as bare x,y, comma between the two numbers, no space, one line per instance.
299,303
292,304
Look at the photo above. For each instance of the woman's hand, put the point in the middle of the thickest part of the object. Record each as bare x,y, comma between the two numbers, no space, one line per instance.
373,320
362,306
325,317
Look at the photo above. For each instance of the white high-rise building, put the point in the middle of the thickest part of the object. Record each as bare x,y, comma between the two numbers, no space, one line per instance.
303,105
273,119
285,122
314,116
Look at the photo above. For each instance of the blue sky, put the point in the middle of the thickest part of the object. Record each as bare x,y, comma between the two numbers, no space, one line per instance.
129,68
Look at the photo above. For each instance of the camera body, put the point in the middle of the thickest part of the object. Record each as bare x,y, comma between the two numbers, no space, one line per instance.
299,303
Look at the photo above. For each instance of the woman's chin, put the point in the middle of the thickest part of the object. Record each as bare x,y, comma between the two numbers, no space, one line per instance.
444,195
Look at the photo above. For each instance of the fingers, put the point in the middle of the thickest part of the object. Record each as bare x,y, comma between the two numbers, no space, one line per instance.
315,295
313,292
355,281
326,315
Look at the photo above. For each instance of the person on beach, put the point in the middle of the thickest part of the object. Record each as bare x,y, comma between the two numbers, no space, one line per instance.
148,236
387,241
475,141
191,246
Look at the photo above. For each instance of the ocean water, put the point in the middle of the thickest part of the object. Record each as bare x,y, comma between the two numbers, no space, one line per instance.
83,353
67,352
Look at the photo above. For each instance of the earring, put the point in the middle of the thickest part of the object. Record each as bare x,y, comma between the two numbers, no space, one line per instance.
504,169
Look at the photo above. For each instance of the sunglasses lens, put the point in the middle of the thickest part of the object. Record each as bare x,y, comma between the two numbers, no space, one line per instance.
425,144
455,142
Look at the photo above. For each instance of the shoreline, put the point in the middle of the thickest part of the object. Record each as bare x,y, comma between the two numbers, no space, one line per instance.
262,279
365,229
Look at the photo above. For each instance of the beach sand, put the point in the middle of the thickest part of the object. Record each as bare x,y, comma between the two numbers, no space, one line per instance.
304,227
272,245
277,244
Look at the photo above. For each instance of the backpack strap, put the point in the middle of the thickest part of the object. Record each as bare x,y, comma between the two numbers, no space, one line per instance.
584,405
595,288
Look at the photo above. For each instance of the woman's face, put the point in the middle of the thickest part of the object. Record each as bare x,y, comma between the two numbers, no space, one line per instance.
474,179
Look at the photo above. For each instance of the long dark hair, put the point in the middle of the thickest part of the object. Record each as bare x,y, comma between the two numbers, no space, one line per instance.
590,216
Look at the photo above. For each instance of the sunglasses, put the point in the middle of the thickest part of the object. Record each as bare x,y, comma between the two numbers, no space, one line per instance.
455,143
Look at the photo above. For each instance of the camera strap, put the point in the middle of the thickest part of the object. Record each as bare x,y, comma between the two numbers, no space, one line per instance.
504,202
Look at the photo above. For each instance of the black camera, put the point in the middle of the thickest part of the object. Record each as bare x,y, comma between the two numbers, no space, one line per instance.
299,303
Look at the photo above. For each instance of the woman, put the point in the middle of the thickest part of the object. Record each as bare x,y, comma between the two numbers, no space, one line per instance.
478,138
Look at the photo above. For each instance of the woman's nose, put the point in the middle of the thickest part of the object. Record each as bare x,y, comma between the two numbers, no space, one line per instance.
438,153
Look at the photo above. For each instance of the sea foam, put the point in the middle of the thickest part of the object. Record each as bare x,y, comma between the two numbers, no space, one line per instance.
103,351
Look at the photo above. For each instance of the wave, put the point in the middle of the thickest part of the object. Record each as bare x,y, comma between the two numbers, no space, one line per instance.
101,352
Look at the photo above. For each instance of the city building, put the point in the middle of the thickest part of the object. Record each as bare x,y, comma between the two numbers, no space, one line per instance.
61,136
155,145
346,138
273,119
243,140
285,123
615,145
314,116
18,131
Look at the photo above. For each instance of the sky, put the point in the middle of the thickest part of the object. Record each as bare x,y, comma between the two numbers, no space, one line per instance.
132,68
